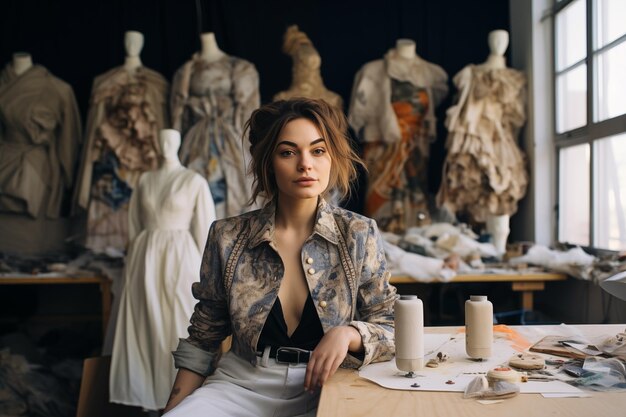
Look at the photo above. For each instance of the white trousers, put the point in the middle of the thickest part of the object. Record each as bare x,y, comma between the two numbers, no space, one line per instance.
238,389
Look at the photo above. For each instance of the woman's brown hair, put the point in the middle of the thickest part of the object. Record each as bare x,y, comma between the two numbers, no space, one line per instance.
265,125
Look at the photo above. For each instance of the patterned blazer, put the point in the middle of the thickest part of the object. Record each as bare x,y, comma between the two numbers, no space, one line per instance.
345,268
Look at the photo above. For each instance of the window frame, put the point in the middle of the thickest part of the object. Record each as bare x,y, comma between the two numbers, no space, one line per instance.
592,130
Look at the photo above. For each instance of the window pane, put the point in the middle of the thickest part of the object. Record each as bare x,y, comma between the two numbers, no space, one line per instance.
571,99
571,44
574,194
610,193
611,82
610,18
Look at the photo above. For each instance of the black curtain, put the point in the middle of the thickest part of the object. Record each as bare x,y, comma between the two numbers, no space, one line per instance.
78,40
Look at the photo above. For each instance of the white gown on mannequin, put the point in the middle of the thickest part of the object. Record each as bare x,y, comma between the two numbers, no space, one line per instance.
170,215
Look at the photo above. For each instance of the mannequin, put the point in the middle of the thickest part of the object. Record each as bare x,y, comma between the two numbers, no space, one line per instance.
498,41
497,225
393,111
170,213
406,48
484,172
133,42
306,78
498,228
212,96
210,51
169,139
128,106
22,61
39,139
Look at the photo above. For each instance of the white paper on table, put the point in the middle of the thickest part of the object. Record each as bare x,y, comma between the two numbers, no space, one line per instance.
566,395
459,369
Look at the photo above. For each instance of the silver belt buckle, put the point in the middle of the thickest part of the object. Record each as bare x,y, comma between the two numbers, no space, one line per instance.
290,349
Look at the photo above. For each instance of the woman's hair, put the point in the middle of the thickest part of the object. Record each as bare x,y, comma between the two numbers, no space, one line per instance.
265,125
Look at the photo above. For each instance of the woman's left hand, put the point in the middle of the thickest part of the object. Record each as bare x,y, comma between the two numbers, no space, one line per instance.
329,354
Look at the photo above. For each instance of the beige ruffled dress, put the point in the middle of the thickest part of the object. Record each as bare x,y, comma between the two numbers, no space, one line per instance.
485,171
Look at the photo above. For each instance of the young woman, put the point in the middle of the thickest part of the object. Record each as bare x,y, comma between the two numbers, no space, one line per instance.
300,285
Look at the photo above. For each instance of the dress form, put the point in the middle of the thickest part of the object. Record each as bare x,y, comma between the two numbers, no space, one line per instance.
406,48
497,225
498,41
210,51
306,78
169,141
133,43
170,213
22,61
213,95
127,109
484,171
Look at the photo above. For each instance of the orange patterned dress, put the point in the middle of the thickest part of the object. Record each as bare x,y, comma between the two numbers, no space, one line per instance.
397,189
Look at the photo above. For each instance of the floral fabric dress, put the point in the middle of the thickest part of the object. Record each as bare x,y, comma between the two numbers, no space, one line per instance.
211,102
126,112
392,111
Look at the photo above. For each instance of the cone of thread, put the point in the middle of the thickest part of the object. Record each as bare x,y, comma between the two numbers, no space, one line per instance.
409,333
478,327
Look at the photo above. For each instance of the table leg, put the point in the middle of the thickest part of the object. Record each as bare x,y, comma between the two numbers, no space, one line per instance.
105,289
527,289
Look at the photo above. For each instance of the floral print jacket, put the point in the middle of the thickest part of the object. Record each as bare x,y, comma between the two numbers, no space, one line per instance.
345,267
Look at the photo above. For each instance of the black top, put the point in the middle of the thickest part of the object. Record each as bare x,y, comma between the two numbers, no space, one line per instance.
306,336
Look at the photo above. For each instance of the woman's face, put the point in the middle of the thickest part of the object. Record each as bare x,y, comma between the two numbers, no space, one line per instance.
301,161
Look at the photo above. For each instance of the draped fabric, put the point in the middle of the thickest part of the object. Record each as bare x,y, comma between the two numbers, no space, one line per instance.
485,171
392,110
127,109
40,134
170,215
210,103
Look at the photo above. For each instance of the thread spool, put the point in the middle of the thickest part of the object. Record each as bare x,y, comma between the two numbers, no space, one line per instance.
503,373
478,327
409,334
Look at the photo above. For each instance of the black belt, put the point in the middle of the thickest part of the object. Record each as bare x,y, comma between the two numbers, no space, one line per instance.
290,355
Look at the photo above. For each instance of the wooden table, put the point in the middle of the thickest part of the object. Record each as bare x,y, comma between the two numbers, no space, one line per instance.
348,395
524,282
54,279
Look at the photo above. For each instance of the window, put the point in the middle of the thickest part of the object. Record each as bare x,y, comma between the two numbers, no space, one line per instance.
590,121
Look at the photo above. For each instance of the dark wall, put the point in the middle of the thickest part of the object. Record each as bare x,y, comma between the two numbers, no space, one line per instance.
77,40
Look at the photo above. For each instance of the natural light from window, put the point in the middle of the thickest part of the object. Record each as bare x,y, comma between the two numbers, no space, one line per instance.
571,90
571,79
610,80
571,40
590,121
610,21
610,192
574,195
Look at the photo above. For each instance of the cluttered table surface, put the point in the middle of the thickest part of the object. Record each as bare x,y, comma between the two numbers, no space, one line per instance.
349,393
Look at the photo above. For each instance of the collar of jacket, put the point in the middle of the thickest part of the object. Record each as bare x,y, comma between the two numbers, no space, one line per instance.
262,225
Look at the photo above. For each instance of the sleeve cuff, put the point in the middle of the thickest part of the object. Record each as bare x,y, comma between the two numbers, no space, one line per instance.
377,347
193,358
